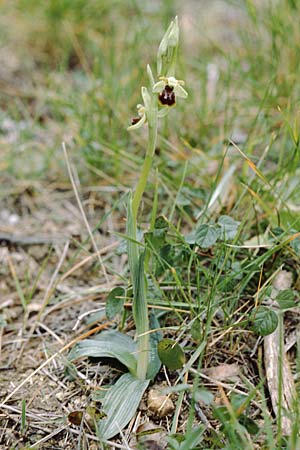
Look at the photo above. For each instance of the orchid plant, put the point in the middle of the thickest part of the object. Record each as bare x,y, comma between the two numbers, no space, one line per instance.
158,99
139,356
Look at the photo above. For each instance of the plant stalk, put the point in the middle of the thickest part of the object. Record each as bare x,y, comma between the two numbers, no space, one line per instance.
140,307
152,139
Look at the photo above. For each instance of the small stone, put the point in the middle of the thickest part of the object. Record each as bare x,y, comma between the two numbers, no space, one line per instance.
161,405
59,396
93,446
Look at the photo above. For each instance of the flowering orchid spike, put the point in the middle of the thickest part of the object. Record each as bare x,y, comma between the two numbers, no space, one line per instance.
167,50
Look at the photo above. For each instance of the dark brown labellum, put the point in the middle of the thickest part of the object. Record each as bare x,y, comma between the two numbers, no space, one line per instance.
167,96
135,120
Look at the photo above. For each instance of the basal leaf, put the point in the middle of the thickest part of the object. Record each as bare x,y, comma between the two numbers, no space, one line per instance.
286,299
154,362
120,404
229,227
205,396
155,239
196,330
265,321
161,223
249,424
189,441
295,244
205,235
171,354
115,302
109,344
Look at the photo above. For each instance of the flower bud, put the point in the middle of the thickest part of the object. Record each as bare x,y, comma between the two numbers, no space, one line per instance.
167,51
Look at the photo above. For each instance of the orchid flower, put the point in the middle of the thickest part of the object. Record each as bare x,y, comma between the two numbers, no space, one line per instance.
169,88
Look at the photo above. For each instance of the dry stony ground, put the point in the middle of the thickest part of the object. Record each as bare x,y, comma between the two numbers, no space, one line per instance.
49,278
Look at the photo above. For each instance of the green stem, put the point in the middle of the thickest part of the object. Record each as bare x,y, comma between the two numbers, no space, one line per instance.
140,307
152,138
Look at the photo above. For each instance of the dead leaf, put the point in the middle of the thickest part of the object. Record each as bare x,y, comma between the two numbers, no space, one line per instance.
151,436
75,417
222,372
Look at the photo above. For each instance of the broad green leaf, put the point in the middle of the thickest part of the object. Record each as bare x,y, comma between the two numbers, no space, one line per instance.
154,362
286,299
295,244
115,302
249,424
189,441
97,316
193,438
174,442
196,330
238,402
171,354
139,286
161,223
289,219
229,227
221,413
156,238
120,404
264,320
277,234
205,396
140,314
205,235
109,344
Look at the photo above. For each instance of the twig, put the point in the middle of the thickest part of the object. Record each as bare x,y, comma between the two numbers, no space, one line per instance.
49,436
15,239
274,356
